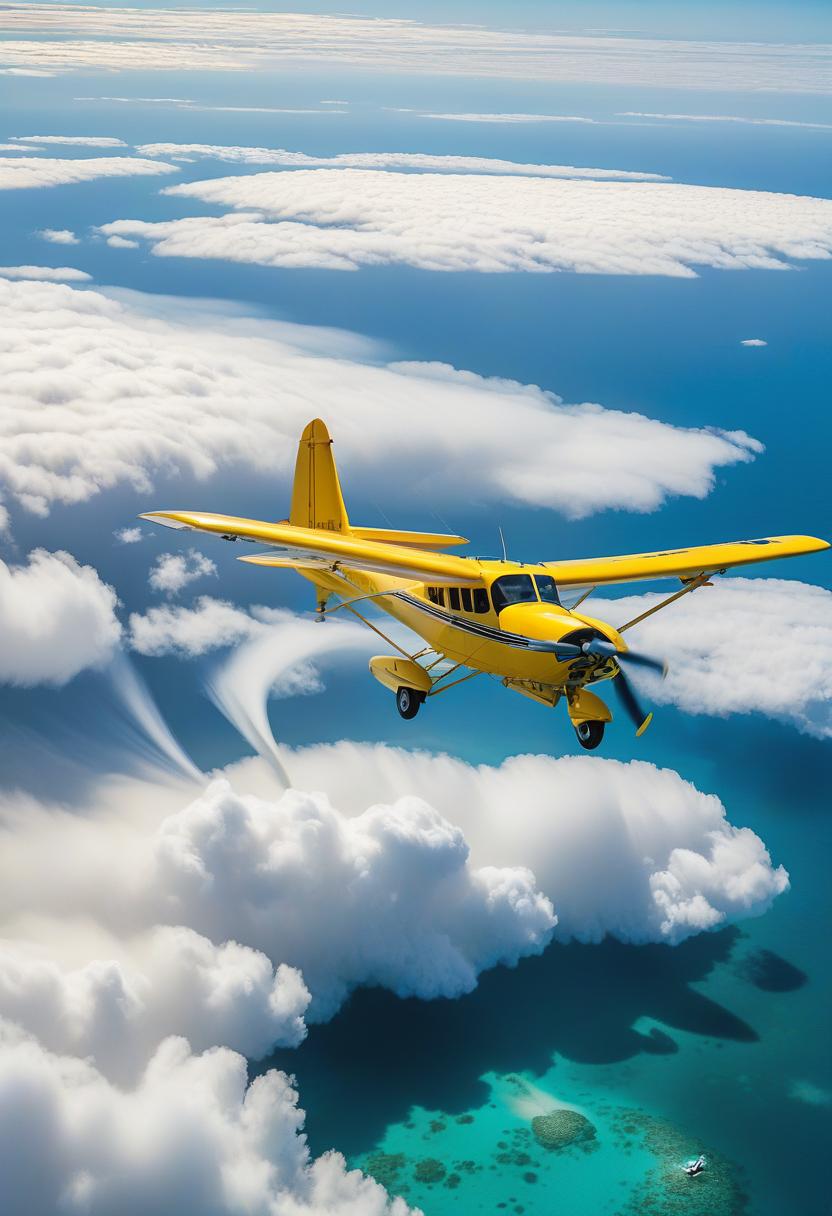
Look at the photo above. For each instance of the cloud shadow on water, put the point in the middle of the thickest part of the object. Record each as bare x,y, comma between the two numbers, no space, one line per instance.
382,1055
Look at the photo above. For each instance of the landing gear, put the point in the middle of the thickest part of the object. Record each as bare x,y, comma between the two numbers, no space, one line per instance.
408,701
589,734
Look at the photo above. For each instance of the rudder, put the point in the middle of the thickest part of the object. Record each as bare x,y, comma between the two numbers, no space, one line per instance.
317,501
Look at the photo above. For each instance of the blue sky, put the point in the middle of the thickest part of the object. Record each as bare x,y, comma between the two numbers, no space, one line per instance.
182,381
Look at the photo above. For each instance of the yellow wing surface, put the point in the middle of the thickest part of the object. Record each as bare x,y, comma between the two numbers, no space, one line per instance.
679,563
295,546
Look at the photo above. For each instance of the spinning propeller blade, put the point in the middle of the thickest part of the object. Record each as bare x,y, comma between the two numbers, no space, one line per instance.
629,701
601,647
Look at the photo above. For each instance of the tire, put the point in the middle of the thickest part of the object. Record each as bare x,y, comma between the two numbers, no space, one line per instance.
589,734
408,701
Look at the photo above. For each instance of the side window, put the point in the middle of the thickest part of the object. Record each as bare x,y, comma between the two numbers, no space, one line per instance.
433,594
546,588
440,596
466,599
453,596
480,599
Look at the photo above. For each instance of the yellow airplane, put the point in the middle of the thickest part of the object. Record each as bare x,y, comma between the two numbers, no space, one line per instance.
476,616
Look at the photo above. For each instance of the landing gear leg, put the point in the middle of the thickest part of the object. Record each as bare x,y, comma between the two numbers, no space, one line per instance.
589,734
408,701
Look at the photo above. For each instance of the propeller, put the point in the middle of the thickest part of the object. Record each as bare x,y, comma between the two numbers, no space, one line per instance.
600,647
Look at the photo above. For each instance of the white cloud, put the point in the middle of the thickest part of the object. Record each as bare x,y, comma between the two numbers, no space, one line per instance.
623,849
754,122
744,645
343,219
59,236
387,897
753,342
120,393
129,536
82,141
121,242
190,632
66,38
509,118
46,274
56,617
192,1136
17,148
116,1010
172,572
385,160
26,173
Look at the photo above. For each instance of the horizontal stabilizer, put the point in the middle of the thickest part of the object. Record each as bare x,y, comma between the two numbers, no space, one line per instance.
416,540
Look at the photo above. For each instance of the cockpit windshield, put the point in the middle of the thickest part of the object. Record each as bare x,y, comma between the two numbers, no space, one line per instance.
546,588
512,589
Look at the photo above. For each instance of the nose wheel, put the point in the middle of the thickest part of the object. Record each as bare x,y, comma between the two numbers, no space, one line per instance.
589,734
408,701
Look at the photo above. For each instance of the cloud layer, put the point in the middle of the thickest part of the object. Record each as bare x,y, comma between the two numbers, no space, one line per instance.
342,219
26,173
57,618
721,643
72,37
99,393
384,160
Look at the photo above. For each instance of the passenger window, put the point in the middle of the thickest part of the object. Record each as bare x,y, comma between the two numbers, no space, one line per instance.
480,599
453,595
512,589
433,594
546,588
466,600
440,596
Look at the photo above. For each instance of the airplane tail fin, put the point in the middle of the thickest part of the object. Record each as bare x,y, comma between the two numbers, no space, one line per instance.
317,501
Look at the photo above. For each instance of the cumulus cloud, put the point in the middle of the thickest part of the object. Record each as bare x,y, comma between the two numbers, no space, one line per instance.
753,342
172,572
624,849
83,141
66,38
384,160
384,897
57,618
115,1011
189,632
129,536
121,242
119,393
46,274
27,173
719,641
192,1136
342,219
59,236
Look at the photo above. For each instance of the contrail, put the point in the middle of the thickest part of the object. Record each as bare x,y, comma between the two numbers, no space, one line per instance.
143,714
241,686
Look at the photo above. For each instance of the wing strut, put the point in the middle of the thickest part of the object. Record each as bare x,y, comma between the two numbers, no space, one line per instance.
691,584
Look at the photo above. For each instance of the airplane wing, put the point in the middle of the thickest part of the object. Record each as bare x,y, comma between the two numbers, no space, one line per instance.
310,547
679,563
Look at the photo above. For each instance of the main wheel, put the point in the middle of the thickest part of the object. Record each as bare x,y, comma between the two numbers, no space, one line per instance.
589,734
408,701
